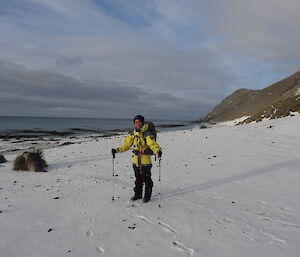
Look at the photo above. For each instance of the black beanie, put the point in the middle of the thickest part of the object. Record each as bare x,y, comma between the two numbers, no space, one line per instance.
139,117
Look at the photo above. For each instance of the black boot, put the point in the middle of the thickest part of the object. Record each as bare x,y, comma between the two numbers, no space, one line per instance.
148,193
138,192
136,197
145,200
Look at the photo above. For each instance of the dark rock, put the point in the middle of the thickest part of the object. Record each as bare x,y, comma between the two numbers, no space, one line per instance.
67,143
2,159
15,150
170,125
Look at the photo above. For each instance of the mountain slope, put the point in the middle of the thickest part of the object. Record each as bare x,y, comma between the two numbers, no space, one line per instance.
244,102
279,109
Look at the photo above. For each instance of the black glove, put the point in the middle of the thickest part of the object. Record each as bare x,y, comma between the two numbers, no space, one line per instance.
159,154
113,152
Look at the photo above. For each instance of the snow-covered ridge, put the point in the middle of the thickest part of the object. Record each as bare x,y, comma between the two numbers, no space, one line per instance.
226,191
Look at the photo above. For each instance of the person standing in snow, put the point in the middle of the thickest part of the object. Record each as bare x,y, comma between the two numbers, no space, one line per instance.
144,145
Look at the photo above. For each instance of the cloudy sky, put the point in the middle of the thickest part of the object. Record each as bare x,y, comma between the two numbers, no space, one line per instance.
166,59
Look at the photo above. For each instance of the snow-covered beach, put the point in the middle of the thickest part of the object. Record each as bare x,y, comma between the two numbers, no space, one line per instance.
225,191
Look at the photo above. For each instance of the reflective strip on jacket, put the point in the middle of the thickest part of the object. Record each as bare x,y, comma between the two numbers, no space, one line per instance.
140,141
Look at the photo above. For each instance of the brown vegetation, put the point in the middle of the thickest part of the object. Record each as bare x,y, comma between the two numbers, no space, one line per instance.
32,161
277,110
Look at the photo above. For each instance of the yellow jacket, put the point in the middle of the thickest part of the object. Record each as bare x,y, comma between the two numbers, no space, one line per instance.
143,142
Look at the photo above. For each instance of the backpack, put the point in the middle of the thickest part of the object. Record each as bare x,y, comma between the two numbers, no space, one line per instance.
151,131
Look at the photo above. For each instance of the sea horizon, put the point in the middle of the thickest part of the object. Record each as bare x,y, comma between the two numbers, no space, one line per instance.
20,132
64,117
39,125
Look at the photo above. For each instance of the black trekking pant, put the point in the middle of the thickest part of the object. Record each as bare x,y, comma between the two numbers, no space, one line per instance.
143,176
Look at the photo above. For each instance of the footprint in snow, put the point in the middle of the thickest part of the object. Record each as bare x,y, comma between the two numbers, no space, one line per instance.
283,208
94,220
189,251
89,233
168,228
142,218
227,220
165,226
99,250
261,202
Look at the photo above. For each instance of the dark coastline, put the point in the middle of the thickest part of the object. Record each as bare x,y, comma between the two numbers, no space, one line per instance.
36,133
19,140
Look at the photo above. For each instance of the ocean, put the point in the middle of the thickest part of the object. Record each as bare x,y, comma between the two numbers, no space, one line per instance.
43,126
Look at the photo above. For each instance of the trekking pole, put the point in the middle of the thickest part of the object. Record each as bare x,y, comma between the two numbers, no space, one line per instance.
159,179
113,176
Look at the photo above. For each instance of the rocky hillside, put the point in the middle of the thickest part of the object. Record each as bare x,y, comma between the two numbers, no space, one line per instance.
244,102
279,109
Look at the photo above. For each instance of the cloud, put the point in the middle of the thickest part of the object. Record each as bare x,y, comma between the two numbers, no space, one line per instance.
263,33
41,91
173,56
69,61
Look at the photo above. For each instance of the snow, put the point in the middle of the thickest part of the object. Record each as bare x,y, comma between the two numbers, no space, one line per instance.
233,122
274,109
226,191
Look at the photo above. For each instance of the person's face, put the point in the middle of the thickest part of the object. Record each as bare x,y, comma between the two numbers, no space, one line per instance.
138,124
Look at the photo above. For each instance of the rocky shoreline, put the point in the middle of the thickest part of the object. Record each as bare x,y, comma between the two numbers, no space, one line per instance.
15,141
